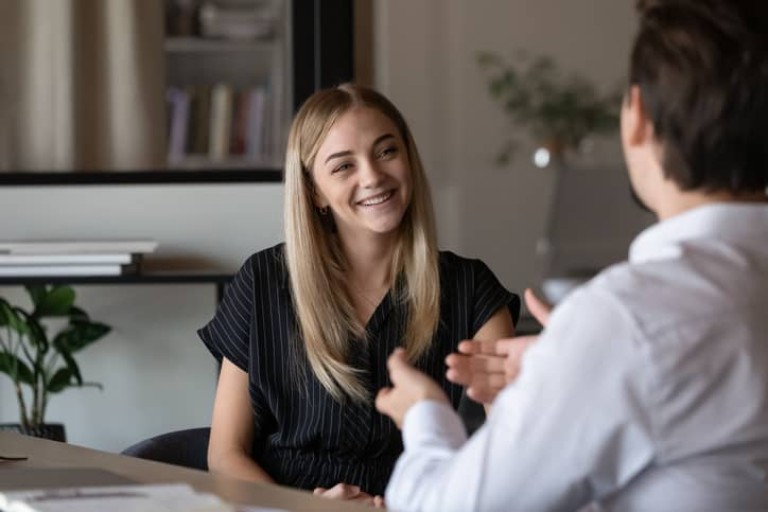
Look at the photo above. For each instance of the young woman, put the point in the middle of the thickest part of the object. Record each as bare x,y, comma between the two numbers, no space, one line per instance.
305,328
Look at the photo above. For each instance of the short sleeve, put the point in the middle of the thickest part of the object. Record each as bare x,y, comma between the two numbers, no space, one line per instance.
489,295
228,334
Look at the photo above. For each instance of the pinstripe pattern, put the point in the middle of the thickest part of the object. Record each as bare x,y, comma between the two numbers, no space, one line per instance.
303,437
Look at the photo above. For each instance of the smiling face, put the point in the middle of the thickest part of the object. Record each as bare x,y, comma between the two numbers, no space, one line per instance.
361,173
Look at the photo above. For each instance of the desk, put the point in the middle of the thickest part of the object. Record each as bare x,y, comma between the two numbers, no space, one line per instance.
51,454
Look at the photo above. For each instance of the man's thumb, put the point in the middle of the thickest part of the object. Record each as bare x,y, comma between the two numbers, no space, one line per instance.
539,308
398,365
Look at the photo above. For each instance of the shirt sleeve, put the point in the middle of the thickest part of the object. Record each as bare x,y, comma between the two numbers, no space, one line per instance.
573,428
489,296
228,334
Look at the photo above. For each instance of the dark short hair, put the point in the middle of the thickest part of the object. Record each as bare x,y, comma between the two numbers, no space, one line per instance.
702,70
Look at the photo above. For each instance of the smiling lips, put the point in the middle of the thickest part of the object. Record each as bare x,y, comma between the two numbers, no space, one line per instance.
377,199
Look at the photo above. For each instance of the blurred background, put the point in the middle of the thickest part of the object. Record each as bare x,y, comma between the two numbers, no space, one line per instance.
84,91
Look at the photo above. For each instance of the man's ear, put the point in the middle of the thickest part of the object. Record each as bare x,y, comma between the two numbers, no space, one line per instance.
638,127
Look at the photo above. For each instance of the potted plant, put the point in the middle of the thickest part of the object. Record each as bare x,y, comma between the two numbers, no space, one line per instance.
41,364
559,111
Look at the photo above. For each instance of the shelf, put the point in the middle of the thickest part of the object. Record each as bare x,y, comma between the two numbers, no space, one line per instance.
196,162
203,45
164,176
312,48
220,280
141,278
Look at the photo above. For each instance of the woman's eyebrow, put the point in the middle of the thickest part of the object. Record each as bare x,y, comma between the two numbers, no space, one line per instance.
347,152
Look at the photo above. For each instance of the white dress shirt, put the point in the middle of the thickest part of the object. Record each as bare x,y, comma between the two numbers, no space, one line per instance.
647,391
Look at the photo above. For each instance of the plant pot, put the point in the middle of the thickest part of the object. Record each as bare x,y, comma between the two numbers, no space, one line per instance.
52,431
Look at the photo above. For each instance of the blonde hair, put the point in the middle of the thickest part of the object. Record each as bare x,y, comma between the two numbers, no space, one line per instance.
316,264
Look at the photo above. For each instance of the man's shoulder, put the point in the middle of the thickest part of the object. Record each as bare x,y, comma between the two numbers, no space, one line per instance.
658,294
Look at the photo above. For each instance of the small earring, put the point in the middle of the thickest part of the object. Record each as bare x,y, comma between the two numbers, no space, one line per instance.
323,210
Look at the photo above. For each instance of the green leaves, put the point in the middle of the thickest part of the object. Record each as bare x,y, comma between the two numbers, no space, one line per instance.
15,368
79,335
53,301
10,319
60,381
30,359
558,110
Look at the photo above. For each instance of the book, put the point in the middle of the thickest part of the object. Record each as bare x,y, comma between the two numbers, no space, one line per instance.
239,122
65,270
72,258
120,498
177,137
201,116
221,121
254,144
77,246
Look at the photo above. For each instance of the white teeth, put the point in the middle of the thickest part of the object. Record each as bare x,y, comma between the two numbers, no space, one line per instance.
373,201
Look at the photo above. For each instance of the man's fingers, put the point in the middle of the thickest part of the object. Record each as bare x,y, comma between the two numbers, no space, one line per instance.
485,394
339,491
382,400
485,347
464,370
539,308
398,365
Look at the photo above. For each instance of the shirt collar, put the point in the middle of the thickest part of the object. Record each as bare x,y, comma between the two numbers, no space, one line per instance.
735,222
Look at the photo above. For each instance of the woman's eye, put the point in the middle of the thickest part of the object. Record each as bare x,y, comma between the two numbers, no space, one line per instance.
341,167
387,152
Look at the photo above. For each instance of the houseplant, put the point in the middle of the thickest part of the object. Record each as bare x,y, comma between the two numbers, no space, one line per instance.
41,364
559,111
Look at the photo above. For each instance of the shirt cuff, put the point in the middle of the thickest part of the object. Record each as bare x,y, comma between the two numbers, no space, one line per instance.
433,423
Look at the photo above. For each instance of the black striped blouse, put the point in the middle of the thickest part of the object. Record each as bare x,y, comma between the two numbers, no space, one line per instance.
304,438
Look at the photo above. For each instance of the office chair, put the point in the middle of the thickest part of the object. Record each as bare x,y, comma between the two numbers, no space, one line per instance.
188,448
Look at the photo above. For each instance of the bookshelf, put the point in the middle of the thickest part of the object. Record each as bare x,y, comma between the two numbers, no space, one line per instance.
228,67
310,45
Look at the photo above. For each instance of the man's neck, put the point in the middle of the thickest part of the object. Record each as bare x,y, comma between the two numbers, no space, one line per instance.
676,202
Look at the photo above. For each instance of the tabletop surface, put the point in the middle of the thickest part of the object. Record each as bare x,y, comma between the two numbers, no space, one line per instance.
44,454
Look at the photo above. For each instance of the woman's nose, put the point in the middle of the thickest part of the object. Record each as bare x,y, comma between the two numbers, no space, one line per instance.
370,174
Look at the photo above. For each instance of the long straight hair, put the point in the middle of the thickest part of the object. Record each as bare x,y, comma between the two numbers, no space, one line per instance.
317,267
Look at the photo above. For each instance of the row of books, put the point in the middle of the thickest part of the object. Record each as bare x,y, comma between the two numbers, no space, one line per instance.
219,121
32,258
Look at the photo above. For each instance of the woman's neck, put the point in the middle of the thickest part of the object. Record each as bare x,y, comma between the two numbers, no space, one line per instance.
370,262
369,276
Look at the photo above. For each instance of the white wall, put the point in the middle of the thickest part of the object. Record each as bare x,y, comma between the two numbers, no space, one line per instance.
425,52
157,375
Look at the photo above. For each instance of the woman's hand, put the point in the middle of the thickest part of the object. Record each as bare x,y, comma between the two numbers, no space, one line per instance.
409,386
348,492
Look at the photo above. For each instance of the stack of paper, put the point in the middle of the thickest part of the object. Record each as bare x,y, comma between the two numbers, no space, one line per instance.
124,498
72,257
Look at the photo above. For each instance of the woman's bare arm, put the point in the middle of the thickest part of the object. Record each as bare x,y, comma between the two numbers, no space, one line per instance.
232,429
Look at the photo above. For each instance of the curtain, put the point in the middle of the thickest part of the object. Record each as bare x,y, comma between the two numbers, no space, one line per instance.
85,85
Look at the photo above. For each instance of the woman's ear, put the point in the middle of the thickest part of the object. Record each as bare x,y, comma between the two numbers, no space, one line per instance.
318,200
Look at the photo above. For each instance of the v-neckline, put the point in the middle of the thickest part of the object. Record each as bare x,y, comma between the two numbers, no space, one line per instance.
379,313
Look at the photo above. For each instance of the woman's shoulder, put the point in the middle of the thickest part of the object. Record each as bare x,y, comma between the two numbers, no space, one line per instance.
272,255
463,270
450,261
266,263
